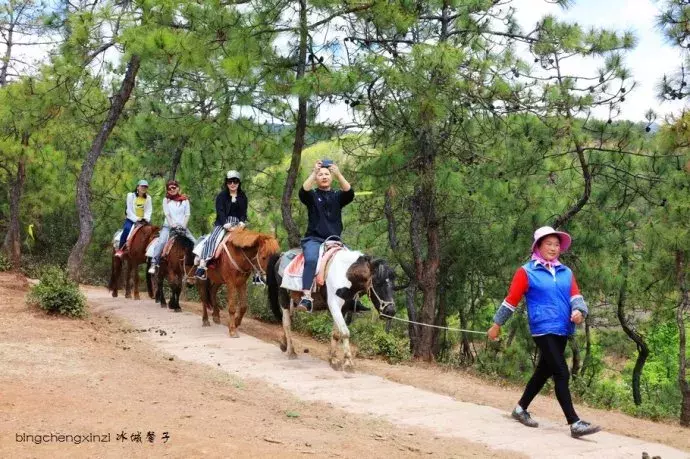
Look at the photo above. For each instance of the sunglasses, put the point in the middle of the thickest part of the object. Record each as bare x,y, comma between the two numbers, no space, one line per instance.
233,180
172,187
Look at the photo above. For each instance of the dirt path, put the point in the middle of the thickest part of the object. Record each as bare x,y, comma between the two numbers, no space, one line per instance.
98,377
133,367
381,400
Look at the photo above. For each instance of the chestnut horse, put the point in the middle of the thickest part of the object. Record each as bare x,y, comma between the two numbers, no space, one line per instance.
134,255
245,252
177,266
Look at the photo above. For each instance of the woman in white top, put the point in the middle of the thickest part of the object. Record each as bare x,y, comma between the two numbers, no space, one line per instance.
138,210
177,211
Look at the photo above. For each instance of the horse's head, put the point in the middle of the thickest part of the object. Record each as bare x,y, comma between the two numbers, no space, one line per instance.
375,277
258,246
381,289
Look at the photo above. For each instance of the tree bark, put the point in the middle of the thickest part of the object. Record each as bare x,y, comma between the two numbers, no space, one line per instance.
642,349
13,242
117,104
424,226
683,306
412,329
177,158
575,348
300,133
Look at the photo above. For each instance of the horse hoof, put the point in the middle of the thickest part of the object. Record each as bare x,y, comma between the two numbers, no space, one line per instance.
176,309
336,365
283,347
128,296
216,320
234,334
292,355
136,297
114,294
349,368
205,323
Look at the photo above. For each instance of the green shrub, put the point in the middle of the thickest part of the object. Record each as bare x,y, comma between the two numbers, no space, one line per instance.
372,340
57,294
5,263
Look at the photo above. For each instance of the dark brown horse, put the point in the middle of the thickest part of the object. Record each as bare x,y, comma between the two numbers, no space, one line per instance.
134,255
176,267
245,252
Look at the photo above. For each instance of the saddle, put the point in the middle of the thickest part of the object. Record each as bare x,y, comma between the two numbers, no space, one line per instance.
292,268
118,233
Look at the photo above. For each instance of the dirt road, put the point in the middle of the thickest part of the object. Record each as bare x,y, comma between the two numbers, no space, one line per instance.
133,366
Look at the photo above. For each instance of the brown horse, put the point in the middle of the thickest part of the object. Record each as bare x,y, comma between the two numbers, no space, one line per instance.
245,252
135,255
176,267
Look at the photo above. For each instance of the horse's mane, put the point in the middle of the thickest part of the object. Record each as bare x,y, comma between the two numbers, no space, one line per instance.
245,238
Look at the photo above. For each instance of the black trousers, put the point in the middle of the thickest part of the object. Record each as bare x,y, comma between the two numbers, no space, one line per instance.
551,364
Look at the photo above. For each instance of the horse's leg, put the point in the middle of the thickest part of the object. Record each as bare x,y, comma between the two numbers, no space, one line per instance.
335,306
242,300
287,333
128,280
177,287
204,293
332,353
115,272
214,302
232,293
135,273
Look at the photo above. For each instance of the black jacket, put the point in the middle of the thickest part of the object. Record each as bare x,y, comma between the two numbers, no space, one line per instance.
225,208
324,208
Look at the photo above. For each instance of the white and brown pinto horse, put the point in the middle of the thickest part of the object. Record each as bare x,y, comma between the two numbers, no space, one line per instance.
349,275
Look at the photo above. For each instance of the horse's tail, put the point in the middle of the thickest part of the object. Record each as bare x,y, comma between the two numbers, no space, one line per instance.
115,270
149,281
274,286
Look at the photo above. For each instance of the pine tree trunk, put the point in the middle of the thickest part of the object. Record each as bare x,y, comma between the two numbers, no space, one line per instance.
300,133
424,227
13,242
575,348
642,349
84,182
683,307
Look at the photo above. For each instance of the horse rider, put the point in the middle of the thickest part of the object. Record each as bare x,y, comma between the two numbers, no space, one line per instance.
324,206
138,211
231,214
177,211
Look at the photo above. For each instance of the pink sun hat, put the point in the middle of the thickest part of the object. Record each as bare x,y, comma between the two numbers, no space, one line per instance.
565,238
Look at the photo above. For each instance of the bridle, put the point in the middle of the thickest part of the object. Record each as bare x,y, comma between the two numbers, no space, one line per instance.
255,267
382,304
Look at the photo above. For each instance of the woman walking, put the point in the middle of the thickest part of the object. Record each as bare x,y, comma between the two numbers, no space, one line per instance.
554,307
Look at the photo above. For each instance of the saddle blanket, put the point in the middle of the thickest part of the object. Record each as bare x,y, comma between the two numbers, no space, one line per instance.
291,266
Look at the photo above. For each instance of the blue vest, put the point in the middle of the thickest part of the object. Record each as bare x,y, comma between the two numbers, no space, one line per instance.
548,300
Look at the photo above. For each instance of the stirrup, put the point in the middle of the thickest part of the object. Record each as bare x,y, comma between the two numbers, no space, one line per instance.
200,273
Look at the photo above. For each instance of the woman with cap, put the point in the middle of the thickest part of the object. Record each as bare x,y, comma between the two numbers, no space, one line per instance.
554,307
231,213
177,211
324,206
139,209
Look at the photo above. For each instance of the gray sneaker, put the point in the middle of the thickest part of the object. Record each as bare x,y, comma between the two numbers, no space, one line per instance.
581,428
524,418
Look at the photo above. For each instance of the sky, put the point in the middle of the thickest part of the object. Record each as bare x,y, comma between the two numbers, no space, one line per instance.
648,62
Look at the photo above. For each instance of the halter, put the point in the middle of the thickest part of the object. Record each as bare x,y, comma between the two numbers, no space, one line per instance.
382,303
256,267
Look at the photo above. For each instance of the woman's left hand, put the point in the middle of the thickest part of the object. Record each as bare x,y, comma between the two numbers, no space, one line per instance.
576,317
334,169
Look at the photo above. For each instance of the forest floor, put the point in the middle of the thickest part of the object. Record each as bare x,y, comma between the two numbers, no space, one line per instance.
132,367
